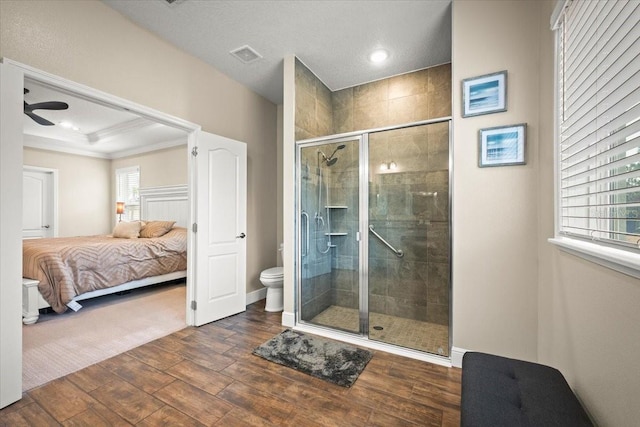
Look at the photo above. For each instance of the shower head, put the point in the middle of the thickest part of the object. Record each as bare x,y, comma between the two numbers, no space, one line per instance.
330,161
340,147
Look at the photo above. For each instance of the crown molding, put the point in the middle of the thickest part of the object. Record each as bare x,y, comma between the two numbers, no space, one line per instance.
48,144
111,132
148,148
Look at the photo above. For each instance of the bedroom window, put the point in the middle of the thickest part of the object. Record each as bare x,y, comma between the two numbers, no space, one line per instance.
127,191
598,131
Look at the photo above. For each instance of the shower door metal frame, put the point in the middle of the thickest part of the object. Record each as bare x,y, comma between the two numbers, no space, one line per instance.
363,241
333,139
363,238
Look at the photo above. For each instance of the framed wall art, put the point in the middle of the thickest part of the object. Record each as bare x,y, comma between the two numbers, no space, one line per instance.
484,94
502,145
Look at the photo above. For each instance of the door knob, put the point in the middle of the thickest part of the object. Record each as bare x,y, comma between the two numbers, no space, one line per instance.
45,226
241,236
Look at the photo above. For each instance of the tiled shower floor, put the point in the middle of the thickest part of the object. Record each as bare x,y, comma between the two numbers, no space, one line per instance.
414,334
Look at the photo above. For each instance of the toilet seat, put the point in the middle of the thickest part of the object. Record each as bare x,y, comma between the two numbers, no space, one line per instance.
272,273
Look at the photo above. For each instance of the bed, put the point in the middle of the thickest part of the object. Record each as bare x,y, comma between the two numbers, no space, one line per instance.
59,272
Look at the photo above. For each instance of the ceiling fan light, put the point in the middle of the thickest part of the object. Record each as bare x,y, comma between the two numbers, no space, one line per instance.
69,125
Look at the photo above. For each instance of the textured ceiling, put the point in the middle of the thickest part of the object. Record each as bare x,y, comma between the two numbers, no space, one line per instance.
333,38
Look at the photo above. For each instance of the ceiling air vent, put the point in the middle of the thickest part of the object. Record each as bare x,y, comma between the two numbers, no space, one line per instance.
246,54
173,3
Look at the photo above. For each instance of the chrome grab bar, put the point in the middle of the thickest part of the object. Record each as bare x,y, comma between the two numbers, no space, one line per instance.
399,253
306,223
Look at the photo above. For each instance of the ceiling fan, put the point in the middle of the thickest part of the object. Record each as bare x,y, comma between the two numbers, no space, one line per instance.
49,105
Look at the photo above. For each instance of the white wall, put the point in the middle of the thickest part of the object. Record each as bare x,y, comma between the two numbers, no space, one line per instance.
84,191
279,185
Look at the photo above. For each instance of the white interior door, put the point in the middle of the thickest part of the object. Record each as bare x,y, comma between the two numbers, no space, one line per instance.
221,188
37,204
11,98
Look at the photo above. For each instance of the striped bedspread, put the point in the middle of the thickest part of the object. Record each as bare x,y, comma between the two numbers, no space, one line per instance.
70,266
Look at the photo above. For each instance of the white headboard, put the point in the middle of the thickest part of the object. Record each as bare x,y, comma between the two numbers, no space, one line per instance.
169,203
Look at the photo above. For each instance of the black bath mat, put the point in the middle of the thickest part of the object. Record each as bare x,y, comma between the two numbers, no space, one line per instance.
329,360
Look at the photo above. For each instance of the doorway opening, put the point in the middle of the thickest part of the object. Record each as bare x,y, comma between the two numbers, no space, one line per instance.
109,121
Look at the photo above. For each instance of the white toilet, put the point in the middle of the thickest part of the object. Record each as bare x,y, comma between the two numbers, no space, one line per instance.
272,279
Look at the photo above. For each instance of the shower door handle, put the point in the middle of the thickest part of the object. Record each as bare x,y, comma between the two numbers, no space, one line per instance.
306,236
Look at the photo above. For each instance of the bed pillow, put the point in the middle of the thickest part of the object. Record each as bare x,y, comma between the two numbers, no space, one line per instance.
127,230
156,228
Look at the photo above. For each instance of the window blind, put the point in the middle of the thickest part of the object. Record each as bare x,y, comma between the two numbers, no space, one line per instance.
127,191
598,66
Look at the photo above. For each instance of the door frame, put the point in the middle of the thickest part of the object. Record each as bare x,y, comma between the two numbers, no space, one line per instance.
359,138
215,299
108,100
54,195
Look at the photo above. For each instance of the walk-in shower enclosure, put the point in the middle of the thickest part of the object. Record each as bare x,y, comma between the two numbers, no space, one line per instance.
373,233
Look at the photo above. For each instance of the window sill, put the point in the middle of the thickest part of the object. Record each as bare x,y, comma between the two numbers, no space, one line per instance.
616,259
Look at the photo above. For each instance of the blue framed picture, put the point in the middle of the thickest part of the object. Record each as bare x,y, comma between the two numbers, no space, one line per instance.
484,94
502,146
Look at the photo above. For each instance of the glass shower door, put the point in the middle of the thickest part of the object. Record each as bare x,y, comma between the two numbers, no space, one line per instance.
408,249
328,262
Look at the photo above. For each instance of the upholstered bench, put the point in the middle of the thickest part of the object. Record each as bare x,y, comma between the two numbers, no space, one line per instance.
497,391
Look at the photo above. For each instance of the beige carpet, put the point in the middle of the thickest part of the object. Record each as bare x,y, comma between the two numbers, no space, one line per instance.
61,344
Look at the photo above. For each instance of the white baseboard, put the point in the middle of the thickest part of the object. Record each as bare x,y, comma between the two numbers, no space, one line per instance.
256,296
288,319
456,356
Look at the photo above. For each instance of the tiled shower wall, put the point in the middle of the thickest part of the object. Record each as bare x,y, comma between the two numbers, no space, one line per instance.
421,95
314,116
417,285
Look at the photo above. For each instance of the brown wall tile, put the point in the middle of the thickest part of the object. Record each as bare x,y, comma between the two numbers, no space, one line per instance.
370,93
371,116
408,84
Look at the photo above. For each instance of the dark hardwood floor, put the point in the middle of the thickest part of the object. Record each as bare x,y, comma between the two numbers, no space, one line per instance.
208,376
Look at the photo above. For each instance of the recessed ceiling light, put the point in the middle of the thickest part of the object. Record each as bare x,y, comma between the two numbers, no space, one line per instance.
378,55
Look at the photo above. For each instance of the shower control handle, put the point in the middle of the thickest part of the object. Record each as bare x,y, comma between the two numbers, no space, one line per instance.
241,236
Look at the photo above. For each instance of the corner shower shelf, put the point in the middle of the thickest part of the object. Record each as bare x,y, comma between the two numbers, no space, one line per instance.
335,234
